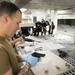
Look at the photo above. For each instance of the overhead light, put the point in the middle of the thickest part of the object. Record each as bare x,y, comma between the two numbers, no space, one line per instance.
23,9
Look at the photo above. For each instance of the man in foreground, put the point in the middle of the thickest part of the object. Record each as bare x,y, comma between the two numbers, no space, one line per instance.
10,18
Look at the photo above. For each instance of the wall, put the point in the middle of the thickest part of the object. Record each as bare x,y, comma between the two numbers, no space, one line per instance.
39,13
66,14
66,17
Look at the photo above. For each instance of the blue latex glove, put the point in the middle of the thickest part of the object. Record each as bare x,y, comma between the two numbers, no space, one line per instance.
25,57
33,60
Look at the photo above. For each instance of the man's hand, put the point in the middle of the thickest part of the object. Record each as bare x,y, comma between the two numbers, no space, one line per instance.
20,38
30,59
25,57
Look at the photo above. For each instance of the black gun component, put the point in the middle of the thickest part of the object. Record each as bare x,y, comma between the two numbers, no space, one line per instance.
35,54
29,40
62,53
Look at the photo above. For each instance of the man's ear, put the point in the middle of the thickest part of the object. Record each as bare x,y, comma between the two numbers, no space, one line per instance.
5,18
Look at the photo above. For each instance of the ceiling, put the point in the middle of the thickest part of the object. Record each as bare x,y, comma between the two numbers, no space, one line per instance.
51,4
44,4
19,3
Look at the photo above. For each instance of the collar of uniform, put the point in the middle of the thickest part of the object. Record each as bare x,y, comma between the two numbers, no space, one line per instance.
2,38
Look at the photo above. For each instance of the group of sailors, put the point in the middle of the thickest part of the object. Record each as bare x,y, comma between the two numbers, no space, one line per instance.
43,27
